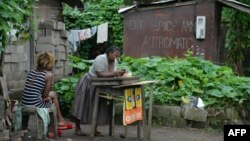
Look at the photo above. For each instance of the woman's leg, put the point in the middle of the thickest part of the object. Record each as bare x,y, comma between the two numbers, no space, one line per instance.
54,99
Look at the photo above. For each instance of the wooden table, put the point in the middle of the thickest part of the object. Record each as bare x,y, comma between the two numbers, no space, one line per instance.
116,87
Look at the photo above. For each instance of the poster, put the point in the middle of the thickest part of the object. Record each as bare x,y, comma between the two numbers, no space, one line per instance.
132,107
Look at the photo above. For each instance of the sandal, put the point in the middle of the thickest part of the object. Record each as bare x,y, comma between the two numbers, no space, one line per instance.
80,133
65,126
98,134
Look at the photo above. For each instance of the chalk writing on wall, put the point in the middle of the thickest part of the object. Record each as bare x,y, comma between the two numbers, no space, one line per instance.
166,42
162,33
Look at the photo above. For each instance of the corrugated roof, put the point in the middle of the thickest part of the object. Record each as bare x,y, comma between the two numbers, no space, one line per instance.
236,5
125,9
229,3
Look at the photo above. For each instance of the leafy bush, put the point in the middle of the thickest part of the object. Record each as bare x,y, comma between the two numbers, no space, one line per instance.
216,85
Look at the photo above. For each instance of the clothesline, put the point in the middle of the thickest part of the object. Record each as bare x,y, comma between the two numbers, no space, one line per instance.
76,36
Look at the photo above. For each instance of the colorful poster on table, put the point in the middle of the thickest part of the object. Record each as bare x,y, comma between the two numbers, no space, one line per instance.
132,107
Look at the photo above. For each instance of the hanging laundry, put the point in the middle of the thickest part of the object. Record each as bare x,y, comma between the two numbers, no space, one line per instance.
93,30
84,34
75,36
73,39
102,33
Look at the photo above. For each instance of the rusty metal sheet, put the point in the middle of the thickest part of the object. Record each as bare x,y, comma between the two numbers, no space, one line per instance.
170,31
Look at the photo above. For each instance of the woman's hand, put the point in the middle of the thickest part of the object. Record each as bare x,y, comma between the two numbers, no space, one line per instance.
47,98
119,73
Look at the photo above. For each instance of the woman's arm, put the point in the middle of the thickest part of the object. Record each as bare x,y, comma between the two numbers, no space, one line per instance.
48,84
110,74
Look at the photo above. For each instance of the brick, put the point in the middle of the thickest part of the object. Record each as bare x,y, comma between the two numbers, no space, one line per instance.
195,114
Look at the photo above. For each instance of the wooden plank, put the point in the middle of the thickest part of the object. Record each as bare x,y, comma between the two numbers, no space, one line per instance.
113,81
136,84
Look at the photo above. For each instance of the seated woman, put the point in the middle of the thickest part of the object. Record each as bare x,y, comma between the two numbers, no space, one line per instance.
38,90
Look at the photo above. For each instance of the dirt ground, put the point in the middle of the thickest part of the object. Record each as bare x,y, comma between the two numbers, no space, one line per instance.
157,134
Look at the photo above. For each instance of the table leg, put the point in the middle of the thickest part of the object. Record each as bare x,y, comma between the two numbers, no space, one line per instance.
150,111
144,120
112,123
93,125
138,129
126,132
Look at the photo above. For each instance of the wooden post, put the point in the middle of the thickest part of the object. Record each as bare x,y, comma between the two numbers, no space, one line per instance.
93,125
150,110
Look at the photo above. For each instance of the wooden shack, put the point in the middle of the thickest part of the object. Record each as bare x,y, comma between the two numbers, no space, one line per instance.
172,27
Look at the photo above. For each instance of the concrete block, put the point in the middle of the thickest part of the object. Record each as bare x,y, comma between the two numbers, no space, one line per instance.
175,122
7,58
45,47
58,63
15,58
48,25
2,107
5,135
60,49
166,111
55,34
6,67
195,114
20,49
60,26
64,34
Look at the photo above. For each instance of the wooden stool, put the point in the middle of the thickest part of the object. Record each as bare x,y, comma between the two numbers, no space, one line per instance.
31,110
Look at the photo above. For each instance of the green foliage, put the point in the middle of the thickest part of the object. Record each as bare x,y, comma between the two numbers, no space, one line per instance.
238,36
13,14
95,14
216,85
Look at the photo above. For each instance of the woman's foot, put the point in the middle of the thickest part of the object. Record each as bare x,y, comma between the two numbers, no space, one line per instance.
65,125
97,133
80,133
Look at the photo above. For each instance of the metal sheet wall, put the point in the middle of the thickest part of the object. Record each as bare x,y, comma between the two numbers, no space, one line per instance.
170,31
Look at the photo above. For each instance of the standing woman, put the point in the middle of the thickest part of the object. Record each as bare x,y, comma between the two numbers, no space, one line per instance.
38,89
104,66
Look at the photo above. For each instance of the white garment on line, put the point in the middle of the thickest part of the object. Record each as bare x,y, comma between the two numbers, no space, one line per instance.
102,33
